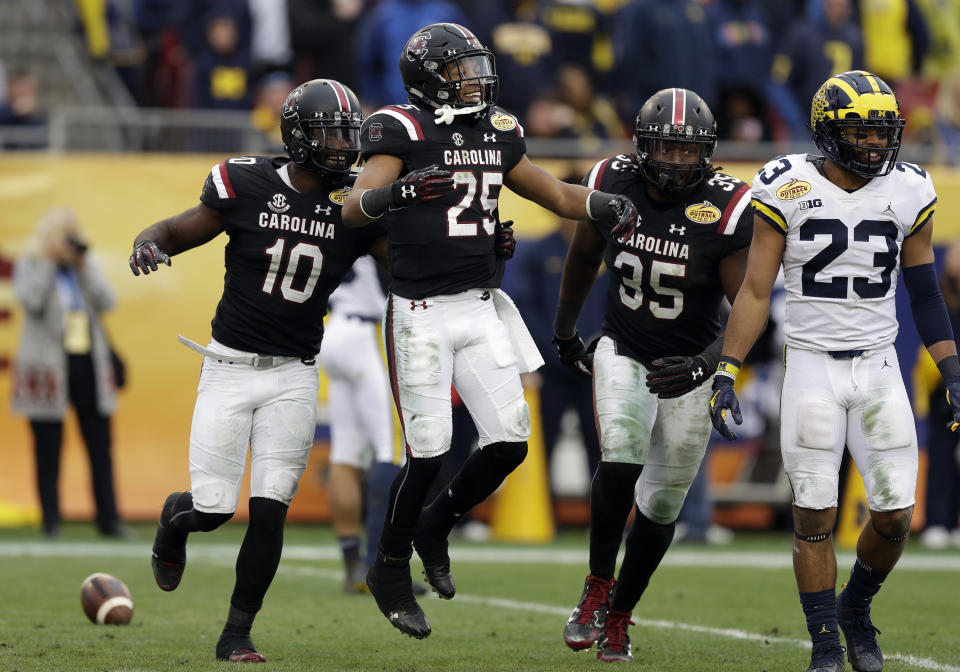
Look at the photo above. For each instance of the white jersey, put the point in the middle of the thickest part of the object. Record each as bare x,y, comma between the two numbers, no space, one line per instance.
360,292
842,255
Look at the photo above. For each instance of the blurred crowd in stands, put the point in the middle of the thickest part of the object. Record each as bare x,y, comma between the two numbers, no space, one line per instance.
568,68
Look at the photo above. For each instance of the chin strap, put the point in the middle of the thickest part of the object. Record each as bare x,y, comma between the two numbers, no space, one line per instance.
446,114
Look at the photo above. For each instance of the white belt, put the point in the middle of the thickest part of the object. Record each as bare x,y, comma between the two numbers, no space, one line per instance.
256,361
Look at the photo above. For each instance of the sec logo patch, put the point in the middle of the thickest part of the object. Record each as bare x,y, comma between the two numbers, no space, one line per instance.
793,190
703,213
340,195
503,122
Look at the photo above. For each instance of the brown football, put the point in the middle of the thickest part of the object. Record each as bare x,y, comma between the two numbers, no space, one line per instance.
106,600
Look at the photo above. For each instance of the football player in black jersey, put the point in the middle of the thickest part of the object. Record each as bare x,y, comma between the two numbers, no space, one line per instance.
435,168
660,342
287,252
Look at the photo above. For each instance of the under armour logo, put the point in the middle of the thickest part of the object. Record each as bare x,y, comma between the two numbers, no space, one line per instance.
888,208
408,191
325,210
489,137
677,229
696,374
885,365
418,304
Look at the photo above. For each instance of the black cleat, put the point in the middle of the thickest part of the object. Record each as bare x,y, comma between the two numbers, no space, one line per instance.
390,584
585,624
169,556
237,650
860,634
436,562
827,658
614,644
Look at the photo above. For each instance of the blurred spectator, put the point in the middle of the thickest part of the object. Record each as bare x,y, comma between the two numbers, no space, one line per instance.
20,109
548,117
323,39
593,115
382,35
895,38
825,42
943,452
221,76
523,49
660,44
742,116
579,33
744,47
943,22
64,357
948,119
271,94
270,44
532,278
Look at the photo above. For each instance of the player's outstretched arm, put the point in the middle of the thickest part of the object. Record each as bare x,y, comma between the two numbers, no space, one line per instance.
158,242
747,318
579,272
378,189
930,312
572,201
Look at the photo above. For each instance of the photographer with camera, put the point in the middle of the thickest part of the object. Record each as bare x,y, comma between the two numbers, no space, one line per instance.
64,357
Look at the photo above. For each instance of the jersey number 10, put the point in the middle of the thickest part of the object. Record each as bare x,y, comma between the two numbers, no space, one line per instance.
298,251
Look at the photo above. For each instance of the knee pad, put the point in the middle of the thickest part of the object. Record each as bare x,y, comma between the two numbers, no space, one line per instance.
207,522
428,436
508,455
515,420
663,506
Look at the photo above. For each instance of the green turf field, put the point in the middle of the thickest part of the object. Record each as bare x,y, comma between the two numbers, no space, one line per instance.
732,608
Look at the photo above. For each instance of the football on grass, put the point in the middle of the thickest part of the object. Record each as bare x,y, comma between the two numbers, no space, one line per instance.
106,600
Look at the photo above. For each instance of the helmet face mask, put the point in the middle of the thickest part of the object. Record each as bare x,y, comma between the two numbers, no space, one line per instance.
467,80
856,123
320,124
445,64
333,146
675,137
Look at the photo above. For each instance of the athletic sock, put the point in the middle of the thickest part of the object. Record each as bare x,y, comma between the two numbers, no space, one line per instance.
611,496
820,608
864,583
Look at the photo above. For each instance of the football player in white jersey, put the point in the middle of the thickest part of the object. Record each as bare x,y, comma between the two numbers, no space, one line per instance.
361,415
843,225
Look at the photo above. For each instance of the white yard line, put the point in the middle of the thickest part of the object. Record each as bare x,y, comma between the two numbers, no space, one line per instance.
729,633
708,557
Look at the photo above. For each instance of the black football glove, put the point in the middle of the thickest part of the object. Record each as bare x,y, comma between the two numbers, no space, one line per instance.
146,255
724,399
953,398
627,216
573,353
504,242
422,184
675,376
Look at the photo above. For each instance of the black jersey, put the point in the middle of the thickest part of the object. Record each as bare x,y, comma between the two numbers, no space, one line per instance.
287,252
665,290
446,245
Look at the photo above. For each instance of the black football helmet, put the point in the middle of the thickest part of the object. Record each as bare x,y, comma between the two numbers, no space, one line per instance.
675,136
855,116
445,64
320,126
